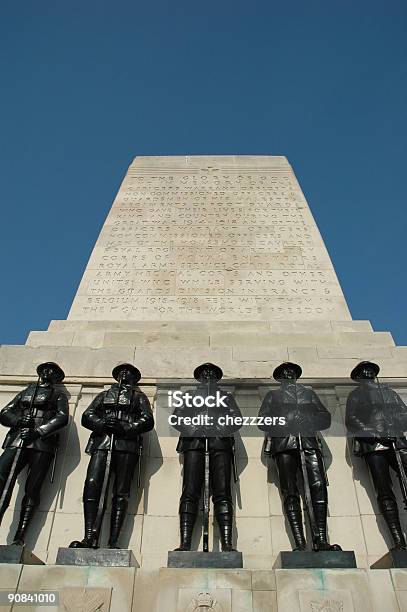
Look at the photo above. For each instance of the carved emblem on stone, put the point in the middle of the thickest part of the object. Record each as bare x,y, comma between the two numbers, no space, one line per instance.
77,599
327,605
204,602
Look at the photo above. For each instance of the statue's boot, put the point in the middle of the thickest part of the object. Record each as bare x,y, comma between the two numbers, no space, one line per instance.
119,512
224,515
225,522
90,512
320,513
294,517
27,512
390,513
187,522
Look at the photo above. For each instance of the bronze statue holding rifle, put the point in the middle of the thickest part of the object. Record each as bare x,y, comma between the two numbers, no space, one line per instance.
117,418
35,416
208,460
296,447
376,417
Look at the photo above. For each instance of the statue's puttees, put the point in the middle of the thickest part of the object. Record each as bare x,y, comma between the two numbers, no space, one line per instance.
376,416
296,447
208,458
117,418
34,416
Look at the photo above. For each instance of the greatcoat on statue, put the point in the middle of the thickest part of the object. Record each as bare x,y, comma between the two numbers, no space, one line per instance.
296,447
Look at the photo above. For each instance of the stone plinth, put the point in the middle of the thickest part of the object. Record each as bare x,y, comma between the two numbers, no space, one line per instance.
393,559
194,559
306,559
103,557
18,554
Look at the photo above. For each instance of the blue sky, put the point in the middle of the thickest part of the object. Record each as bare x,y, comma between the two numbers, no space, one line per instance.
86,86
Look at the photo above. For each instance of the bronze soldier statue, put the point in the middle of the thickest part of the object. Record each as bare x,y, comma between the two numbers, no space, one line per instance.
296,447
34,416
376,416
208,459
117,418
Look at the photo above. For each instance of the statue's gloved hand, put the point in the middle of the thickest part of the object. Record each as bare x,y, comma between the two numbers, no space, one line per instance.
113,425
29,435
296,421
301,418
26,422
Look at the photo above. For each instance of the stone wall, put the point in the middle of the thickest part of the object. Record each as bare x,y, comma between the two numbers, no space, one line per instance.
152,525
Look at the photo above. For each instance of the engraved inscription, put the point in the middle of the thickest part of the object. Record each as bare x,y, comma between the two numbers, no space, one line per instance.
225,241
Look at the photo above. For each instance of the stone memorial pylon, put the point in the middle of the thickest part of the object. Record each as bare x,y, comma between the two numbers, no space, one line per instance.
209,258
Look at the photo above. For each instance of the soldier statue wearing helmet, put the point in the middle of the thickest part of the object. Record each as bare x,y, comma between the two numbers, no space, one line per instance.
376,417
117,418
34,417
219,446
296,447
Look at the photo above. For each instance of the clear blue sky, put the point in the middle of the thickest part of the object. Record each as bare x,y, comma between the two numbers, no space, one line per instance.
86,86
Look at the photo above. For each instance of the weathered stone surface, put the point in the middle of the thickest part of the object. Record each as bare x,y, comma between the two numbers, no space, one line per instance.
145,590
263,580
58,338
59,577
319,560
199,559
217,238
18,554
242,600
383,595
256,501
264,601
102,557
348,590
328,600
74,598
10,575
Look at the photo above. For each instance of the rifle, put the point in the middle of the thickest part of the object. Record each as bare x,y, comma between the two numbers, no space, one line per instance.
54,461
4,501
140,456
206,492
401,471
323,461
234,466
309,508
308,500
206,500
106,478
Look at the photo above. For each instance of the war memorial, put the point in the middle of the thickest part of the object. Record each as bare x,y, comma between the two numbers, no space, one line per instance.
208,280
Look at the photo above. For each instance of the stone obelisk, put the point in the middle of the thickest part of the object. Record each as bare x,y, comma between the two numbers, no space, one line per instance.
211,257
209,238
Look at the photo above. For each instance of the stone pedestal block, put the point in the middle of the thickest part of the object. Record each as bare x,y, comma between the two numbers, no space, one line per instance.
184,559
18,554
394,558
103,557
307,559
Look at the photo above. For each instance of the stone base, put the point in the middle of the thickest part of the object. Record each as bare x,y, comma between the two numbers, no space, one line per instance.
103,557
18,554
323,559
183,558
394,558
